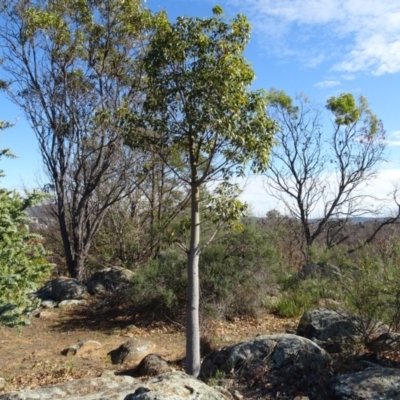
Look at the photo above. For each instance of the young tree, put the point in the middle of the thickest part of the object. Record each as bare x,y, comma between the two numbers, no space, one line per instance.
198,102
70,65
320,177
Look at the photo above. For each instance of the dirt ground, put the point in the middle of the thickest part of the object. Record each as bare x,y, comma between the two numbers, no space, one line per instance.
30,356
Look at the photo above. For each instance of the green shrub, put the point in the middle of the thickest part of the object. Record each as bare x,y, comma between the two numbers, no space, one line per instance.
160,284
23,264
371,286
236,275
300,295
238,272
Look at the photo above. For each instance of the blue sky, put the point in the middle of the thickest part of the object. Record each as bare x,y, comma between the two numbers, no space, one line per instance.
319,47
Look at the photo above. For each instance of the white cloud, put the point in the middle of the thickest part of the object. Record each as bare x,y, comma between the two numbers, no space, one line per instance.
394,139
327,84
356,35
348,77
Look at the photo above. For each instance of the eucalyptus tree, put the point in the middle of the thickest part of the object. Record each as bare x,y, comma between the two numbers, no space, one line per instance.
320,174
70,65
199,103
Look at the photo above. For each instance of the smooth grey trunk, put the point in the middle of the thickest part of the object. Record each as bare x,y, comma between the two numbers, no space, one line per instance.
192,308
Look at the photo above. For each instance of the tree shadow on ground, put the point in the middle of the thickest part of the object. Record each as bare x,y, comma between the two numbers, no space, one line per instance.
105,315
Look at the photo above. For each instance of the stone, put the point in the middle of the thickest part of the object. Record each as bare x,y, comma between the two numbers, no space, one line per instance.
153,365
81,348
64,288
177,386
71,303
44,293
288,354
96,287
372,384
108,373
109,279
110,388
170,386
48,304
335,330
131,350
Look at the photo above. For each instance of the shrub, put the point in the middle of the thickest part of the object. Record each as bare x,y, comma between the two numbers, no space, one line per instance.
238,272
300,295
23,264
236,275
160,284
371,286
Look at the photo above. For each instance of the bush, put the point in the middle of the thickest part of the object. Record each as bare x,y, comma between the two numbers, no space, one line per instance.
299,296
371,286
160,285
23,265
236,275
238,272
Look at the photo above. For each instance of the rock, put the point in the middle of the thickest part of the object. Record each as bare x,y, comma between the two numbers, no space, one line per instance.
48,304
64,288
96,287
44,293
108,373
371,384
319,270
389,341
109,279
170,386
81,348
285,353
71,303
335,330
2,383
133,349
110,388
153,365
177,386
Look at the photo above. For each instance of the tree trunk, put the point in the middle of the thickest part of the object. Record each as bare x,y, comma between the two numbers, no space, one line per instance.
192,308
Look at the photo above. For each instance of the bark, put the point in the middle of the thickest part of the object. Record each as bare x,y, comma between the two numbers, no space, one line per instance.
192,309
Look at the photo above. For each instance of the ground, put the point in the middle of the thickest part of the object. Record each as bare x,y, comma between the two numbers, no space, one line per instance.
30,356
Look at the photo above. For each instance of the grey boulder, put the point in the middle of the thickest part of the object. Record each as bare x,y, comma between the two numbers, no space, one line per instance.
177,386
71,303
153,365
336,330
110,388
131,350
372,384
288,354
109,279
170,386
64,288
